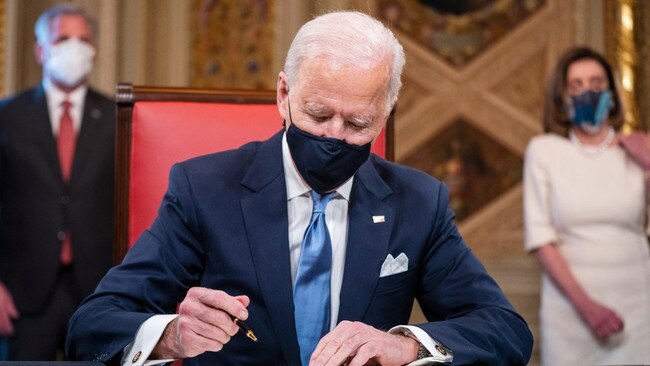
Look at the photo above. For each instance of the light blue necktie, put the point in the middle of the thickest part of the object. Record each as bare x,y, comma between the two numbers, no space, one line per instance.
311,295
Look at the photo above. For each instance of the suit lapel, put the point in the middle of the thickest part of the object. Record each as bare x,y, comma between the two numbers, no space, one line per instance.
41,126
90,133
265,216
367,244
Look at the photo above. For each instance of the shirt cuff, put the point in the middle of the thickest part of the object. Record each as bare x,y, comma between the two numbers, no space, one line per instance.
137,352
439,354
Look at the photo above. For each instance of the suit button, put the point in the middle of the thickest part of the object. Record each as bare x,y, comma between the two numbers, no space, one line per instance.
60,235
65,199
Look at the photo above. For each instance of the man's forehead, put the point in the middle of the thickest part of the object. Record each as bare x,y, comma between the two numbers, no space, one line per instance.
70,25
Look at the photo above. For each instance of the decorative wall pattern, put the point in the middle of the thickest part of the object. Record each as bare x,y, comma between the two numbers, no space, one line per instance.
467,120
457,31
475,167
232,44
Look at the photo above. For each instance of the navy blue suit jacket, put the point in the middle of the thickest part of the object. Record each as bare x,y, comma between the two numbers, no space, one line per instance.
223,225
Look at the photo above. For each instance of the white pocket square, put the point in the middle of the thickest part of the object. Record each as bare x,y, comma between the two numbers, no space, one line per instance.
393,266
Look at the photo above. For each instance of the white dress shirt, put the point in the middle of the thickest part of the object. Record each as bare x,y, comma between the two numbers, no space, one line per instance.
299,205
55,97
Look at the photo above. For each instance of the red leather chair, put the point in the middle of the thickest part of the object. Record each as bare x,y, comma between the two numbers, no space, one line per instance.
158,126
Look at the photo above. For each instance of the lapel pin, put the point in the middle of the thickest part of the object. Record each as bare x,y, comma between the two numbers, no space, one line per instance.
96,113
378,219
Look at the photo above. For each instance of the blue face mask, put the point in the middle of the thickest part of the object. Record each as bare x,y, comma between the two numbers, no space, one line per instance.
323,162
590,109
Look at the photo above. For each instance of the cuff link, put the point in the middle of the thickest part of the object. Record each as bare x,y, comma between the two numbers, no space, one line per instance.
136,357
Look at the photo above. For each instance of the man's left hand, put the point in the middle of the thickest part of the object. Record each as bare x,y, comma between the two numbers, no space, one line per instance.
358,344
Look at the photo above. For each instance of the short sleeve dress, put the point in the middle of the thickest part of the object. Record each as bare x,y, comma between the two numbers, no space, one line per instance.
591,203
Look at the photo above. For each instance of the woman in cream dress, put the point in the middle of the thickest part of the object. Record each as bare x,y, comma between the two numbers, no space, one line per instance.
585,217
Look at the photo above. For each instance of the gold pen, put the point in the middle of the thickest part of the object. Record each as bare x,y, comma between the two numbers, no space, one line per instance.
245,328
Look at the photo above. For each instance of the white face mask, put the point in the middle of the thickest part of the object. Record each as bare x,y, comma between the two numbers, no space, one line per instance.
69,61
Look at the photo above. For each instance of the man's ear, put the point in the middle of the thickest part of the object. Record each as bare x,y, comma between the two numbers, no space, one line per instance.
39,54
282,93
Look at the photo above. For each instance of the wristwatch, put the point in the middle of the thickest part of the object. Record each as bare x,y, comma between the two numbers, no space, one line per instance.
423,352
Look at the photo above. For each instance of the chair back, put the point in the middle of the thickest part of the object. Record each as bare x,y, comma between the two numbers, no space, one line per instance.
159,126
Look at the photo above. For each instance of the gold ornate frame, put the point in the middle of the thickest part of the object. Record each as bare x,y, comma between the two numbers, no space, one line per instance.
627,45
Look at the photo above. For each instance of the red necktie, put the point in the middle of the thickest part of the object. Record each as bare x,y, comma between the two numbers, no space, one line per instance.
65,146
66,141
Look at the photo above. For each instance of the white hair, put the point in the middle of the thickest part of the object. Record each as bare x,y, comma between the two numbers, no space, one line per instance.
347,38
43,25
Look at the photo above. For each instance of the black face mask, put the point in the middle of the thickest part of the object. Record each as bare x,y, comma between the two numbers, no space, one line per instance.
323,162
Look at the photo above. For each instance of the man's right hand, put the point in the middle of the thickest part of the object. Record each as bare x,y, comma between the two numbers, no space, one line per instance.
204,323
8,311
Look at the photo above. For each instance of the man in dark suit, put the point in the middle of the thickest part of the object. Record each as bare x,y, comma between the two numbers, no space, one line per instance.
319,246
56,189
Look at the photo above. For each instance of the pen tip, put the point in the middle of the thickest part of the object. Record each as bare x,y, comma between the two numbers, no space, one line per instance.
251,335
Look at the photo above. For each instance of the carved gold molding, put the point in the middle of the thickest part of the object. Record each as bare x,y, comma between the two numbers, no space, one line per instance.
626,47
642,41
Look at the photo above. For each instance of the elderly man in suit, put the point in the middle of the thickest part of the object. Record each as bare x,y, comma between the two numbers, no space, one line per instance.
56,189
319,246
